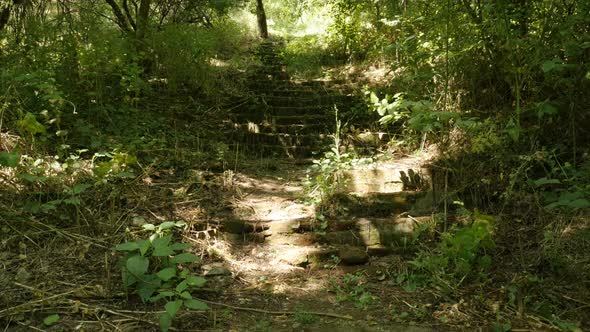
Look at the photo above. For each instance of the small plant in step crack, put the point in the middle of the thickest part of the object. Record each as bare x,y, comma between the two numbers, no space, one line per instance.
326,175
155,268
353,287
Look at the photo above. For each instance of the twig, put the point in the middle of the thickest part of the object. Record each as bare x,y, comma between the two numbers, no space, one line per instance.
262,311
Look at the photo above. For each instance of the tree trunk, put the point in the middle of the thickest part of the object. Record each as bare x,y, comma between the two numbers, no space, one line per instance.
122,21
142,19
261,15
4,16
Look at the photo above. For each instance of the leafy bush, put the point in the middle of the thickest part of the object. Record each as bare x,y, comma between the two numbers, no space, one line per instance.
155,269
461,252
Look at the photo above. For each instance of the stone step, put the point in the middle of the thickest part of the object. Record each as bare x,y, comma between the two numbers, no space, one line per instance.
373,204
293,92
371,232
263,111
306,100
269,151
293,129
281,139
267,119
386,180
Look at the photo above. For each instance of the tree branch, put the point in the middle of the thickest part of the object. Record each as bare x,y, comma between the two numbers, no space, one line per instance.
129,16
121,19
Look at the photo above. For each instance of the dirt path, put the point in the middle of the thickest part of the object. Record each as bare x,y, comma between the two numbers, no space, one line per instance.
286,267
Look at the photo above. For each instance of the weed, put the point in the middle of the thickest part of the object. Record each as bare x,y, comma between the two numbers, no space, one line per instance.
353,288
460,253
154,268
304,318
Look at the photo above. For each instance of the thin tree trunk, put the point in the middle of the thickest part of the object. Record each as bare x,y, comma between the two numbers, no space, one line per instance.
261,15
142,19
4,17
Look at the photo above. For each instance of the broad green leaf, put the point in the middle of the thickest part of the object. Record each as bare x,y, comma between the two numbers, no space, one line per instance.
163,251
72,201
186,295
127,246
580,203
544,181
30,124
166,225
51,319
195,304
80,188
161,242
128,279
167,273
180,246
31,178
196,281
172,307
161,295
182,286
9,159
185,258
161,246
144,246
165,322
137,265
548,66
145,291
148,227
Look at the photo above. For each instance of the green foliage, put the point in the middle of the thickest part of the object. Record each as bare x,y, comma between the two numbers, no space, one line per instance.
51,320
9,159
155,268
565,186
325,177
353,287
461,251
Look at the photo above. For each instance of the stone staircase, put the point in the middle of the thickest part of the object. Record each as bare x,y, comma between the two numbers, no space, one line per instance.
376,213
286,117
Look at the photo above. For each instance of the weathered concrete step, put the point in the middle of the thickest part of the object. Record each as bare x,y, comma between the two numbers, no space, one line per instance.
294,92
387,180
373,204
281,139
306,100
371,232
293,239
263,110
265,84
262,119
264,150
297,225
292,129
305,255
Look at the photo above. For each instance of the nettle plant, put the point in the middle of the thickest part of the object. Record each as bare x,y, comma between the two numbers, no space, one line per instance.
155,269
